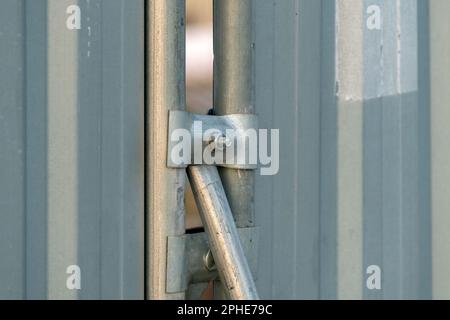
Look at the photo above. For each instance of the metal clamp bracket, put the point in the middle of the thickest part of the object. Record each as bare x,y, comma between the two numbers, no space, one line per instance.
228,135
188,258
200,143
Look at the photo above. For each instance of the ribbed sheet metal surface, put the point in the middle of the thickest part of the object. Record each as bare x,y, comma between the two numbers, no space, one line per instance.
72,149
363,148
364,156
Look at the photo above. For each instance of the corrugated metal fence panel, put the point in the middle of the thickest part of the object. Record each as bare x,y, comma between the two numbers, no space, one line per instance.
12,161
351,103
72,141
288,97
440,147
364,157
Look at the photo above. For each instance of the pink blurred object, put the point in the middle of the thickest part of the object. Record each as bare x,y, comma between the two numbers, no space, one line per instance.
199,67
199,54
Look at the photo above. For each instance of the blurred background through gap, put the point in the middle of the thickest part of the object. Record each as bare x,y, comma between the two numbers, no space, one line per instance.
199,77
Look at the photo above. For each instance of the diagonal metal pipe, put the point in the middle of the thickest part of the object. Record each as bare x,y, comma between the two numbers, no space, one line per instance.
224,241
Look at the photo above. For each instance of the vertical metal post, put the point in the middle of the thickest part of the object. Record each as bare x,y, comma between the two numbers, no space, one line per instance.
223,235
233,92
165,187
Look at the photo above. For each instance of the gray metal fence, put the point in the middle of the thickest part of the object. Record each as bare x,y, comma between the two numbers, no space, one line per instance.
358,89
71,159
354,186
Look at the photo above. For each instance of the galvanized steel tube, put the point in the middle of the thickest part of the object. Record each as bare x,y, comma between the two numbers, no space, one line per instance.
222,233
166,91
233,92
